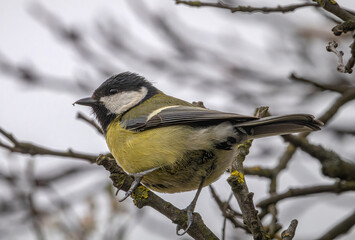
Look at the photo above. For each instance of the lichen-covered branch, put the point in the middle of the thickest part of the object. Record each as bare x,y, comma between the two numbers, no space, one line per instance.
142,197
241,191
289,233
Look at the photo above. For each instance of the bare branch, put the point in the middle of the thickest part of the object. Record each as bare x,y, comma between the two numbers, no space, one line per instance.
227,211
347,96
75,38
332,164
32,76
284,159
337,187
330,87
341,131
90,122
35,215
249,9
334,8
224,205
32,149
340,229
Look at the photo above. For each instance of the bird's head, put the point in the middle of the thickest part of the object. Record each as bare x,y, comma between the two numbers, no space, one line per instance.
117,95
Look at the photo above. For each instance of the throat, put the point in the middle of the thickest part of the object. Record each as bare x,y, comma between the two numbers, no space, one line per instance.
104,117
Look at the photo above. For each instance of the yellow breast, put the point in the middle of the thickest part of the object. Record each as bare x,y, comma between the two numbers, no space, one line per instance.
140,151
183,154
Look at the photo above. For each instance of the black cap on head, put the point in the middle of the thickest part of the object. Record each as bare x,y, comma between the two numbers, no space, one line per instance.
122,82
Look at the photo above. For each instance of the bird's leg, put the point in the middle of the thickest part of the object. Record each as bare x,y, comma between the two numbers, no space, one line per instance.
137,179
190,209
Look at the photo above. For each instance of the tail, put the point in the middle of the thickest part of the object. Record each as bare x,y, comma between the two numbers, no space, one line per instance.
280,125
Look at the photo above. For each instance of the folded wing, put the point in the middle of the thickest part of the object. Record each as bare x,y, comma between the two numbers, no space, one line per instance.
177,115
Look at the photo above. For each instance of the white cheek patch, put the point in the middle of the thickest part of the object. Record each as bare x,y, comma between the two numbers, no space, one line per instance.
122,101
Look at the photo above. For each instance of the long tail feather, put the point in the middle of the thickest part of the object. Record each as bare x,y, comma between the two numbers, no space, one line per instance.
280,125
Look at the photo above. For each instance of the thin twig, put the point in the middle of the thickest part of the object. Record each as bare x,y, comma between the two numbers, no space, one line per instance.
284,159
337,187
227,211
346,97
340,229
90,122
273,228
249,9
32,149
341,131
224,205
348,94
334,88
33,212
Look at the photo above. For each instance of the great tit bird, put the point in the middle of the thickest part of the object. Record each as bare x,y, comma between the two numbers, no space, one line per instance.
170,145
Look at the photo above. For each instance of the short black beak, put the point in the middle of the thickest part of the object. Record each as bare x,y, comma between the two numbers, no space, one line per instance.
86,101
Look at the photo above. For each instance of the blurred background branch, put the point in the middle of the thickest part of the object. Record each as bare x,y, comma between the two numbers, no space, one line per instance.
233,62
249,9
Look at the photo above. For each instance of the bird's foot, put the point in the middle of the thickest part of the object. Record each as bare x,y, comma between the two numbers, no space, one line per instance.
190,219
137,180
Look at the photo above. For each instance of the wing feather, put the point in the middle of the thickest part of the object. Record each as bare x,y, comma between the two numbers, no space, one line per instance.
178,115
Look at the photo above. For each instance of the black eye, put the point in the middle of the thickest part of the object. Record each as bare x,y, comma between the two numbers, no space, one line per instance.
113,90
